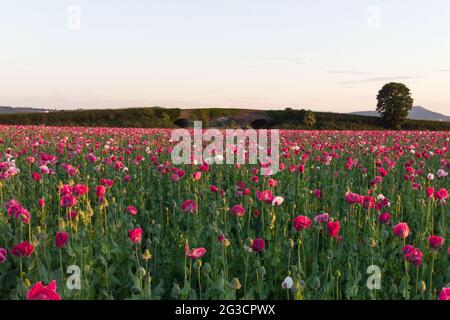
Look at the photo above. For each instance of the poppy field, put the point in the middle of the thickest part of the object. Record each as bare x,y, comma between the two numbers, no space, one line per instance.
103,213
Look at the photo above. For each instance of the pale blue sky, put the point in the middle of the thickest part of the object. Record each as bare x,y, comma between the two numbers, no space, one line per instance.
323,55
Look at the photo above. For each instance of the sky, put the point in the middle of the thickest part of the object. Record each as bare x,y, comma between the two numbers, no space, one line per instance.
266,54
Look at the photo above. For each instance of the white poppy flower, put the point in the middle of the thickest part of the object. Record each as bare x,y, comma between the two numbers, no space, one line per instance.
287,283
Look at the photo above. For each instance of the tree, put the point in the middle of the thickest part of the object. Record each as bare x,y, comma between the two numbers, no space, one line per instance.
309,119
165,120
394,103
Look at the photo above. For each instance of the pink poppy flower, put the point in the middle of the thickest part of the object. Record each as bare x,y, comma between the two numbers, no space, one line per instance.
3,255
195,253
80,189
238,210
324,217
445,294
68,201
132,210
401,230
197,175
436,242
135,235
412,255
189,206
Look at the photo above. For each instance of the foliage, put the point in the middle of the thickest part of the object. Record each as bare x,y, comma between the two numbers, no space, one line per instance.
132,118
394,103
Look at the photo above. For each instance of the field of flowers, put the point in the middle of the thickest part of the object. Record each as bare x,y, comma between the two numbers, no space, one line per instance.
109,202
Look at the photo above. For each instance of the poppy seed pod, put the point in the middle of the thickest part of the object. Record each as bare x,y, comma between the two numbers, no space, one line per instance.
141,272
316,283
262,271
207,268
176,290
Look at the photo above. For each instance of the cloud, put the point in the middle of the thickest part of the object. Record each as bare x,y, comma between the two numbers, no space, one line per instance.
378,79
287,59
348,72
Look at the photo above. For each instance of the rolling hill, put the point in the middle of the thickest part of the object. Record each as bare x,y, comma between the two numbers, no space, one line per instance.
8,109
417,113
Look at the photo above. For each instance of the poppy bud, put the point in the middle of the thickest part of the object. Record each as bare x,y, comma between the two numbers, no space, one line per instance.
235,284
422,286
27,283
147,255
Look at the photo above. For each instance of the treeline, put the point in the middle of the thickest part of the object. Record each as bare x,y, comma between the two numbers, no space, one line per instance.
158,117
134,117
304,119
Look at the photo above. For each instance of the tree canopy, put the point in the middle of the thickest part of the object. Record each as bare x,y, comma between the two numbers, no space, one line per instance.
394,103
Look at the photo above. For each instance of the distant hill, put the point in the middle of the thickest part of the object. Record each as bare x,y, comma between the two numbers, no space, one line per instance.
4,109
417,113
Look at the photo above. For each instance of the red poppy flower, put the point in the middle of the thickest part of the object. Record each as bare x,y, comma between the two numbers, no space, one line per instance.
135,235
258,245
61,239
384,218
333,228
41,292
23,249
301,223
